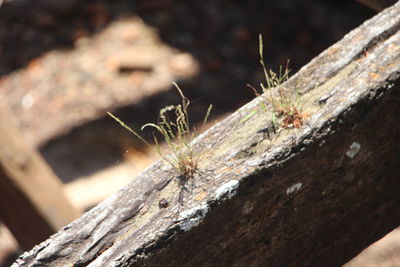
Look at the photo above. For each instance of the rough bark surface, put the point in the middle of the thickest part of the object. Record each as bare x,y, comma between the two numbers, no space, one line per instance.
313,196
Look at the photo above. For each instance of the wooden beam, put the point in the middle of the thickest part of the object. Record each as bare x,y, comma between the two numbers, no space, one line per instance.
314,196
32,201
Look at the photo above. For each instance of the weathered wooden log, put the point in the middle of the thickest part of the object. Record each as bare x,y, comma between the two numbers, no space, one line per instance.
32,202
313,196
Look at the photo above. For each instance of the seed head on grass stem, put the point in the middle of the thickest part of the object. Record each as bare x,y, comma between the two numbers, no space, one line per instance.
173,125
286,109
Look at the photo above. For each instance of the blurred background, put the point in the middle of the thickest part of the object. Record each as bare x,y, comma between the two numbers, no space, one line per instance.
65,63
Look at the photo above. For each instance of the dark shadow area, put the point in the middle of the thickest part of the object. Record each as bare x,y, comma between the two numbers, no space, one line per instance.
217,32
222,36
30,28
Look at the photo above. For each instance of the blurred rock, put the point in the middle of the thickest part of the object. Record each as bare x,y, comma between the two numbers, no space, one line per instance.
184,65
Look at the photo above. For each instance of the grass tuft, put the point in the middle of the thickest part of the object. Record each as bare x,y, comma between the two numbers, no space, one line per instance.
286,107
173,125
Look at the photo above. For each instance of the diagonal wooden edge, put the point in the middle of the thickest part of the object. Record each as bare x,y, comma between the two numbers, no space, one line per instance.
307,196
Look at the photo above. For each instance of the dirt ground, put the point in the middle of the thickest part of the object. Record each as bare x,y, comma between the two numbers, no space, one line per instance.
63,64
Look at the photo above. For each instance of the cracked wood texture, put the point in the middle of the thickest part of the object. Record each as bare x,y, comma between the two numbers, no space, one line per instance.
314,196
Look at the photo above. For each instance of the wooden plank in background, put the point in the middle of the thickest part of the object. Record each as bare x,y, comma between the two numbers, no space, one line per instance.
32,201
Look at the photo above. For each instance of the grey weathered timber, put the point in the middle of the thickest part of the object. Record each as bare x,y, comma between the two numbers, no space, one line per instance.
313,196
